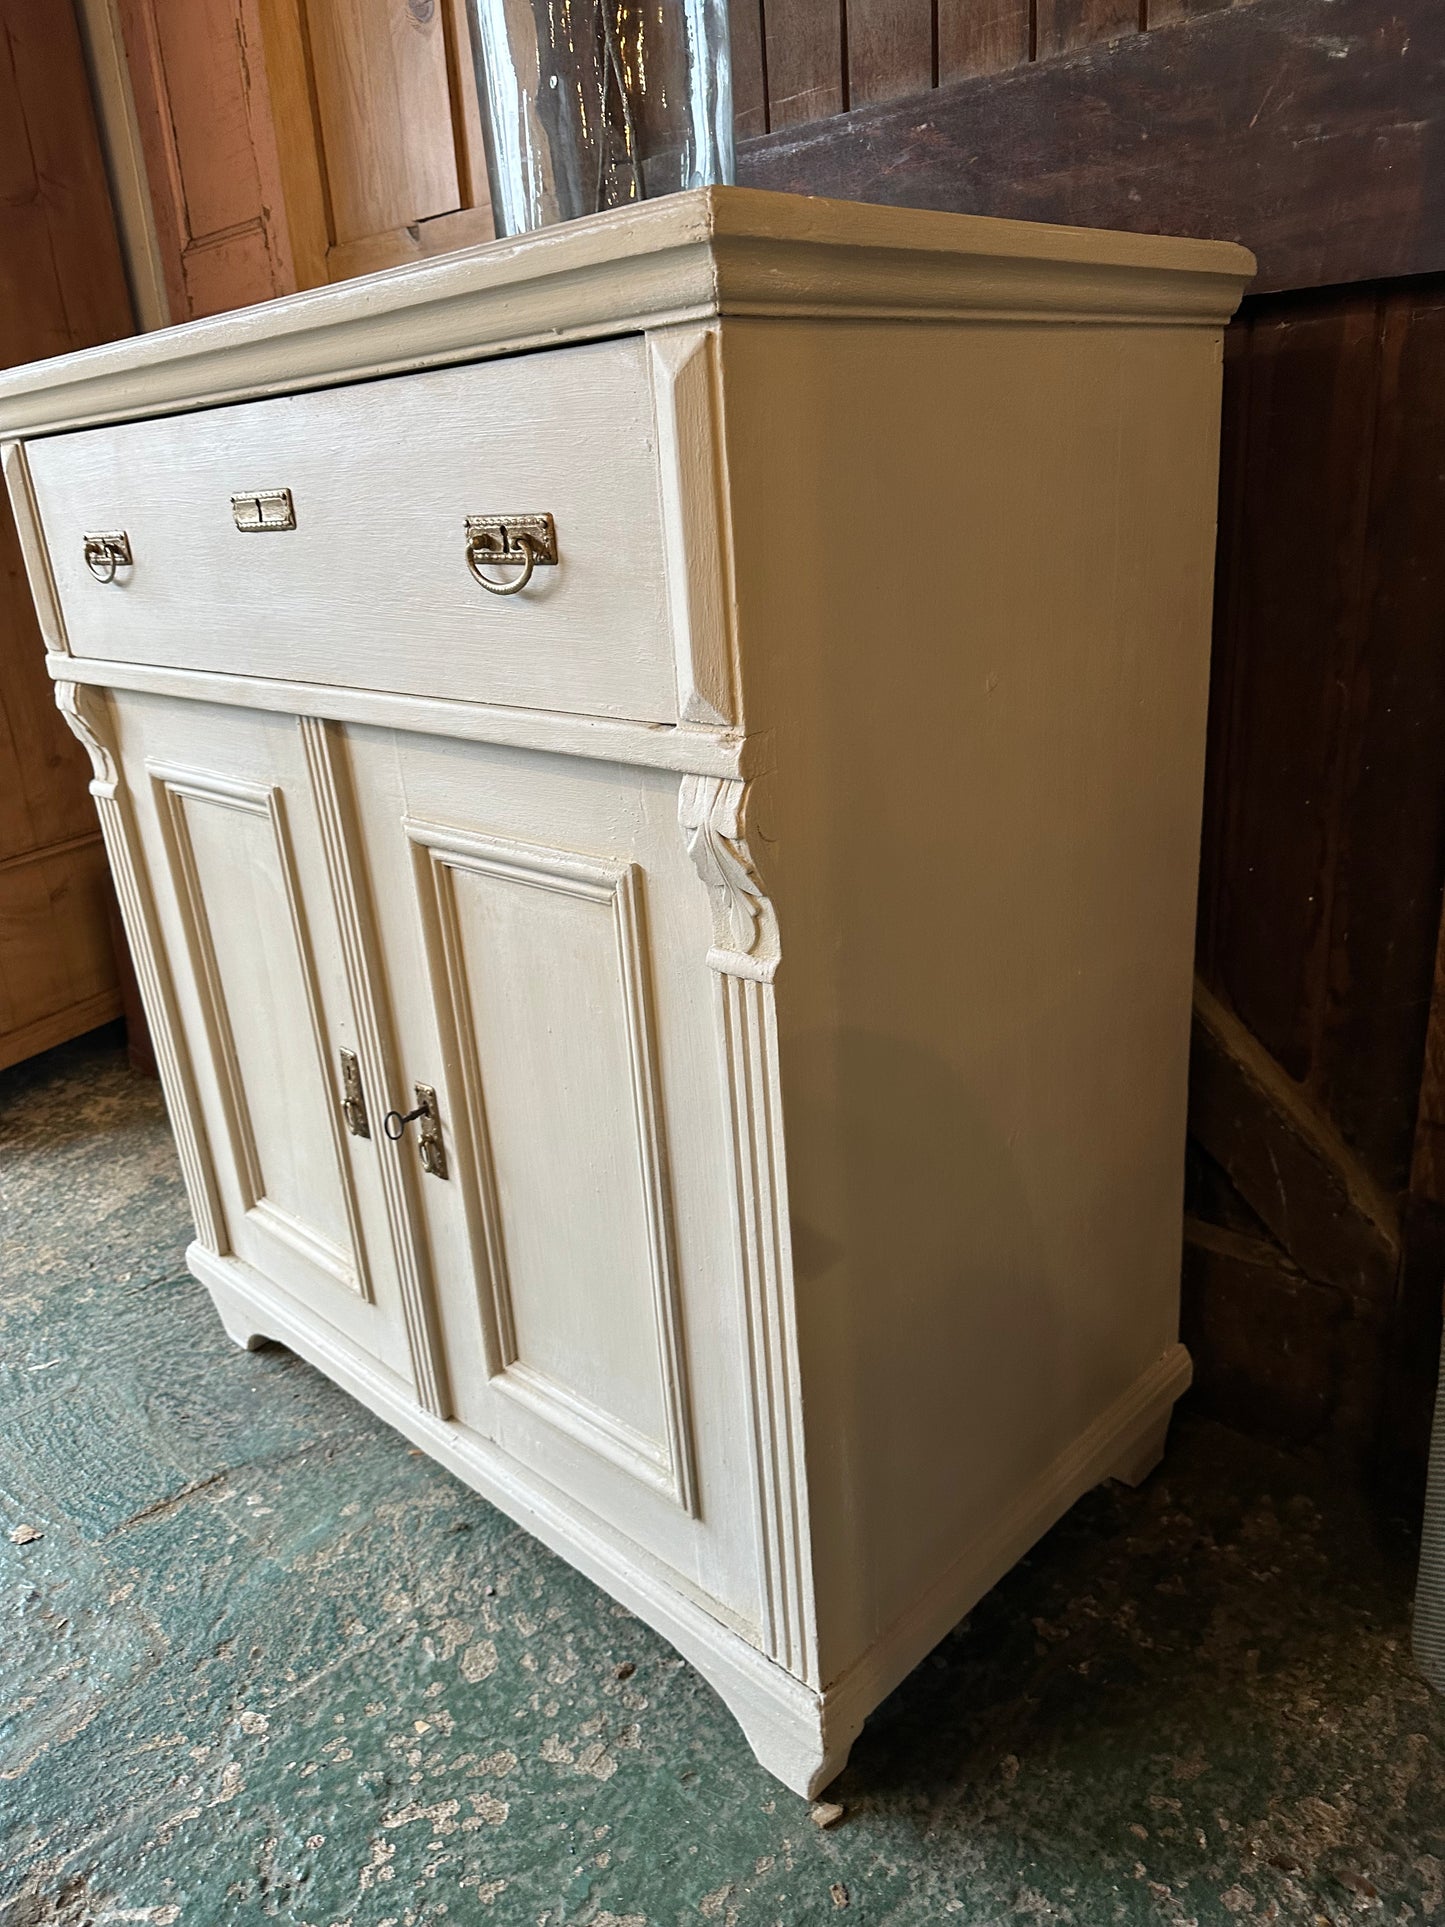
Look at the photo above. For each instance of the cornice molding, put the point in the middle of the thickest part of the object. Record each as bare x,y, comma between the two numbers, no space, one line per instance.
688,258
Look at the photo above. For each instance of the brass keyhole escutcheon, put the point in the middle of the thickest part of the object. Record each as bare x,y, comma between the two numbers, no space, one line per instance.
427,1116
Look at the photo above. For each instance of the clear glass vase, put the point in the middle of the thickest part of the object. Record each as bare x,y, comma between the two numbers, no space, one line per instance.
591,104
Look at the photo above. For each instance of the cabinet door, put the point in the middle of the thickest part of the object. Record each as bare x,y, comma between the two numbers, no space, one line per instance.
546,939
230,807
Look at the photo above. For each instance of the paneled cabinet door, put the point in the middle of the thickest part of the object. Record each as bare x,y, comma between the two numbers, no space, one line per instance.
237,817
546,938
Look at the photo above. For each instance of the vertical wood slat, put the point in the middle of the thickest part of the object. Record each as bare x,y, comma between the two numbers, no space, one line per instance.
1159,13
803,43
383,95
750,97
371,180
1066,24
205,122
304,191
1291,575
62,287
1324,844
471,158
1390,867
62,284
890,49
982,36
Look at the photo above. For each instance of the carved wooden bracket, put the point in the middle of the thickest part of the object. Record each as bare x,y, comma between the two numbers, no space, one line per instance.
713,812
85,710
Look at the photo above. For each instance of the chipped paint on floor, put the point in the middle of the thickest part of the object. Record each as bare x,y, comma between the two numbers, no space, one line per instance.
260,1661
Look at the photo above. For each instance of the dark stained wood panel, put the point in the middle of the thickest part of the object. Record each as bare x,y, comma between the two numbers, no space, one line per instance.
1317,1107
1160,13
1323,151
1063,25
750,98
890,49
1390,865
1289,574
803,48
1324,850
982,36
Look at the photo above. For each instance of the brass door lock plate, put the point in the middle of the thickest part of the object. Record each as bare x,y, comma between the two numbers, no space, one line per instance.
353,1100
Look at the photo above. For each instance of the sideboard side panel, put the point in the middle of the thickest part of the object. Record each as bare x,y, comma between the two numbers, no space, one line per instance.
973,570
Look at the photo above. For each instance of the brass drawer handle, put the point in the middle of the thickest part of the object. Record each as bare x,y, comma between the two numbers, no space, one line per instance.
106,553
526,541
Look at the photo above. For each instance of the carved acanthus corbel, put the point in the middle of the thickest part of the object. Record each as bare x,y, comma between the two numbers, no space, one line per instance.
713,812
84,709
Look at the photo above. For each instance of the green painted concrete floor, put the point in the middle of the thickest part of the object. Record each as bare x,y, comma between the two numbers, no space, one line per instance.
264,1662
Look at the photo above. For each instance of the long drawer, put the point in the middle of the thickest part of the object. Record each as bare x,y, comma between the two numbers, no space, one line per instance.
371,586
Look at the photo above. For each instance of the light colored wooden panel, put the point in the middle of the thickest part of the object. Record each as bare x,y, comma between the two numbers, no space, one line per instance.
467,133
43,796
199,83
300,162
383,99
467,228
62,285
120,139
57,965
236,880
224,876
565,1136
620,818
372,587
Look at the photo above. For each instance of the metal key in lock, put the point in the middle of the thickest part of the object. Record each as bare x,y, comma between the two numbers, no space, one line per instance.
427,1116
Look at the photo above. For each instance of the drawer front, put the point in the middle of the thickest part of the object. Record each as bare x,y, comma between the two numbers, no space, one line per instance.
371,587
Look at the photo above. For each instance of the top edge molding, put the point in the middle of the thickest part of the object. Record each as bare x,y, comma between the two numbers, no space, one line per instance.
691,257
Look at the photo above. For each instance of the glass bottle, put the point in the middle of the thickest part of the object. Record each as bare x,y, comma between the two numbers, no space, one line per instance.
591,104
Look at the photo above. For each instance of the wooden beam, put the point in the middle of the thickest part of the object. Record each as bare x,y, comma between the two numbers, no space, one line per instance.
1311,130
1276,1352
1288,1162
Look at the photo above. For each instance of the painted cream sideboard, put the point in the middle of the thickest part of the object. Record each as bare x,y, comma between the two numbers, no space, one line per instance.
697,1041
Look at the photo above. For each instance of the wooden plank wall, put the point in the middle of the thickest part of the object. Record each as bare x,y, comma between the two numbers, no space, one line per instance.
803,60
61,287
1318,1179
1311,130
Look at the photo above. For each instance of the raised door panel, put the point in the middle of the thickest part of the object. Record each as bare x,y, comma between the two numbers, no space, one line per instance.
232,841
538,952
546,939
231,861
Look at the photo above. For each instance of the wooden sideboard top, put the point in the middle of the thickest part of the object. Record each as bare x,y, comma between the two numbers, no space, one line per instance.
687,258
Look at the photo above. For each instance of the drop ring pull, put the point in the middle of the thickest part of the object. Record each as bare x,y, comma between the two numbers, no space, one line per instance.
525,542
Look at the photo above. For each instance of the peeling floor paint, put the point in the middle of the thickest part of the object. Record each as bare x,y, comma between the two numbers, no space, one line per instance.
260,1661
